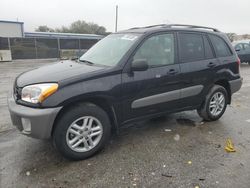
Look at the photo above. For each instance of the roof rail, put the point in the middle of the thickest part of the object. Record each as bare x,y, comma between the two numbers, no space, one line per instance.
177,25
148,26
192,26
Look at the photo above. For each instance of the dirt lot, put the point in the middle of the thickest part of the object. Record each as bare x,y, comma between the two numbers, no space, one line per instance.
179,150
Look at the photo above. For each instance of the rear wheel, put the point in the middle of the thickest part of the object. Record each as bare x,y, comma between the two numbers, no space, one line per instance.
215,104
82,131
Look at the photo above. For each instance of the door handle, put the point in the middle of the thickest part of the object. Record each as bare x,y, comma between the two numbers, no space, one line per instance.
211,64
172,72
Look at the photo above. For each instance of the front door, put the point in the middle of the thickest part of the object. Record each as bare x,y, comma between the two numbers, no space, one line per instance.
156,89
243,51
246,52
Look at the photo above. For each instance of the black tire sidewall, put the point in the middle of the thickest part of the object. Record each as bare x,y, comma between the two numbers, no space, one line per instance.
214,90
67,118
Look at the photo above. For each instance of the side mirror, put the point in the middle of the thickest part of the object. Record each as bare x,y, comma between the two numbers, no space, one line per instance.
74,58
139,65
237,49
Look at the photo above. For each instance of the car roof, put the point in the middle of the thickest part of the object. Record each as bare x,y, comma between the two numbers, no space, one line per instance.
170,27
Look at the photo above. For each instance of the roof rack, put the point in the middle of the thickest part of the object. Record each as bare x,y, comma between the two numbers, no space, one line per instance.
178,25
192,26
149,26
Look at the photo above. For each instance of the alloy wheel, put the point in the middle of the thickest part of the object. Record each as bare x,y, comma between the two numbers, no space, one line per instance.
84,134
217,103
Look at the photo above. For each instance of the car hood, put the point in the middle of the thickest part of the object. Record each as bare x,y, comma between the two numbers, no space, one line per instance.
55,72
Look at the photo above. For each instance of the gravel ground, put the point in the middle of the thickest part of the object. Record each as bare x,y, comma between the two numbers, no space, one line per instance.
178,150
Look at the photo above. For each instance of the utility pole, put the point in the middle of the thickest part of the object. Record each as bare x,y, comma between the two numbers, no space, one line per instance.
116,17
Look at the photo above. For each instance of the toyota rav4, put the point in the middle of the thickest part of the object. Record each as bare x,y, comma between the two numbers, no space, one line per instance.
128,76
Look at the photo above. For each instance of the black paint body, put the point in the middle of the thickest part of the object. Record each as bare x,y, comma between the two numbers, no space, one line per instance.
115,88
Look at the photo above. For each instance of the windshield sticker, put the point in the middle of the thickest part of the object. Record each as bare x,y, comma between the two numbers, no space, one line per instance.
129,37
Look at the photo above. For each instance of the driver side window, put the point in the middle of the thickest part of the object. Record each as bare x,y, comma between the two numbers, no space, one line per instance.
239,47
157,50
246,46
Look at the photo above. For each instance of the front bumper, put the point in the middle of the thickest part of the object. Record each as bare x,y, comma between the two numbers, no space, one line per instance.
33,122
235,85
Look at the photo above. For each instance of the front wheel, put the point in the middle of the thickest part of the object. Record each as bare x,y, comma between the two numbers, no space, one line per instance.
81,131
215,104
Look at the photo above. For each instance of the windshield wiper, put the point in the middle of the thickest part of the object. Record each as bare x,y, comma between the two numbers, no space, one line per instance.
86,61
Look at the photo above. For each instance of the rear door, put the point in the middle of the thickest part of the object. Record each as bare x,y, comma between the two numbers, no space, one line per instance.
198,66
156,89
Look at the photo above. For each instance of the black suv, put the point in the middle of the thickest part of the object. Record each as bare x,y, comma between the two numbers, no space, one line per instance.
127,76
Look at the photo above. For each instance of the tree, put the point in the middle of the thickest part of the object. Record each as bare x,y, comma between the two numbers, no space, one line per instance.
245,36
44,28
83,27
63,30
79,26
231,36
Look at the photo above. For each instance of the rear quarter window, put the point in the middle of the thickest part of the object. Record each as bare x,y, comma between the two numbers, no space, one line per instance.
208,50
220,46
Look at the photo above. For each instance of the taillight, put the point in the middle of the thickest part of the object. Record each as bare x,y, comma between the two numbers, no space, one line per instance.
238,61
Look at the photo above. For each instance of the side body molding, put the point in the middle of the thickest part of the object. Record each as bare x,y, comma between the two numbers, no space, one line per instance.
168,96
191,91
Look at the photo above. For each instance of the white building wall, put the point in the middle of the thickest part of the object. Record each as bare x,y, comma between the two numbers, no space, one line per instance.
11,29
5,55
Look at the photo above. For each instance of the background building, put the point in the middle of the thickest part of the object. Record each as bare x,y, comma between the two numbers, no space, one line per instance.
17,44
11,29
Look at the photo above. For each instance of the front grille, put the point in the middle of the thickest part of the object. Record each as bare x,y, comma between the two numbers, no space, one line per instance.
17,92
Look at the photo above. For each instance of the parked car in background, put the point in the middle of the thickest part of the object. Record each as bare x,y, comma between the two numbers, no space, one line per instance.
128,76
243,51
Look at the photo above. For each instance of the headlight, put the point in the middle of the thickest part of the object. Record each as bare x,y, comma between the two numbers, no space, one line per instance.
37,93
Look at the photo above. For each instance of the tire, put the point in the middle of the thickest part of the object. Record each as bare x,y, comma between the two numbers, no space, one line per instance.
207,110
81,131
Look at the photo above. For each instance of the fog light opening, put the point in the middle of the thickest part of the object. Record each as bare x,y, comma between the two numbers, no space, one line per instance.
26,125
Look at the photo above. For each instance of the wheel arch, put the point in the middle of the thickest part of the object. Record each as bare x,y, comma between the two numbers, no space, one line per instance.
224,83
101,102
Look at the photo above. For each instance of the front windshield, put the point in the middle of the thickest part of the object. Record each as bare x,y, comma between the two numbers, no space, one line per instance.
110,50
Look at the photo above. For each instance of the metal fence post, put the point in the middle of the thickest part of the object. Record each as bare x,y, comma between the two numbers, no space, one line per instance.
9,43
35,47
59,47
79,48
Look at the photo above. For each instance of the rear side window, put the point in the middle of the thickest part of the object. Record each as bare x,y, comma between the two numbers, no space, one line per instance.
191,47
220,46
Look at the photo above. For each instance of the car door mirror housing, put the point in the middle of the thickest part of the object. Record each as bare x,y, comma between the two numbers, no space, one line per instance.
237,49
139,65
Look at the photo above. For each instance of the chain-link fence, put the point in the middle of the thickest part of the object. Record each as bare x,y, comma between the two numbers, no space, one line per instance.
42,48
